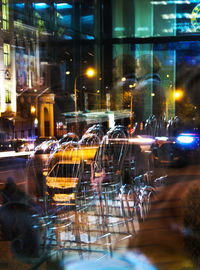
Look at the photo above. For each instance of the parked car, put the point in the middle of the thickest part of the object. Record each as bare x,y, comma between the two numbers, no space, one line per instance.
20,145
6,146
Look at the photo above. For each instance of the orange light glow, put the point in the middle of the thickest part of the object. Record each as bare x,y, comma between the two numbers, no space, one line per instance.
178,94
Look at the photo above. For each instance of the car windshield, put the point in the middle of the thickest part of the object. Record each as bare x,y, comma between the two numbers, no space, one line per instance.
65,170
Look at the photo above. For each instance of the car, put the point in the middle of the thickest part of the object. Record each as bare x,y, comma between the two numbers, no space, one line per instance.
20,145
68,174
176,151
62,181
42,139
6,146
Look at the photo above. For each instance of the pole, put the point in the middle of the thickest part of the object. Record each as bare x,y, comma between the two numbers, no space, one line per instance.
131,114
75,101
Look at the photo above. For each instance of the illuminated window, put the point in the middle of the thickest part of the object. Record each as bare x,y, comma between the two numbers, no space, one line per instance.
7,97
5,14
6,54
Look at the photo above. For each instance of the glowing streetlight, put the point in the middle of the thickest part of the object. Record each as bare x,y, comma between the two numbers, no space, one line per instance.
33,109
90,72
178,94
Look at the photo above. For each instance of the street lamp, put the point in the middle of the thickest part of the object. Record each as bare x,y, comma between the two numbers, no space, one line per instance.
90,72
178,94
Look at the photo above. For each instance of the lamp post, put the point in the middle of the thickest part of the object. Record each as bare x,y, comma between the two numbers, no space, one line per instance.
131,86
90,72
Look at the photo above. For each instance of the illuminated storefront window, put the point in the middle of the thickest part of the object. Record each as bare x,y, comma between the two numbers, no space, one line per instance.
5,14
6,53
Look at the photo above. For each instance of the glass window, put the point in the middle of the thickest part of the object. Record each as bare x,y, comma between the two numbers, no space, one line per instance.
6,53
5,14
136,119
65,170
7,96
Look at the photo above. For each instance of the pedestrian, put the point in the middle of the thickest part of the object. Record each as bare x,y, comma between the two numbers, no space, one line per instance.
148,96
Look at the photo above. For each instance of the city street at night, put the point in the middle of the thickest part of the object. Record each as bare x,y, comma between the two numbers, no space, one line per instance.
99,135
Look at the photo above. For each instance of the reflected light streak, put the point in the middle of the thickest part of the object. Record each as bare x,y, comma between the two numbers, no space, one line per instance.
163,138
178,2
14,154
142,140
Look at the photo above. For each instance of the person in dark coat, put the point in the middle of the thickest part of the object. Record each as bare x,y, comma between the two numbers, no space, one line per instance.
148,96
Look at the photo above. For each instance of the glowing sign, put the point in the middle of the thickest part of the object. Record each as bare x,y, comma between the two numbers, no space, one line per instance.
195,20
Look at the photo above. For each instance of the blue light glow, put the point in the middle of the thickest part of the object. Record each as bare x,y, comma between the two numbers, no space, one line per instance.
20,5
87,19
40,5
67,37
185,138
63,6
88,37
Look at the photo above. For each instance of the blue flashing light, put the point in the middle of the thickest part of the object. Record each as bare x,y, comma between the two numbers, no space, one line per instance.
40,5
186,138
63,6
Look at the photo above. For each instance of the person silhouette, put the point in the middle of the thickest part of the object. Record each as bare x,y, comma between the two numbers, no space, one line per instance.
149,95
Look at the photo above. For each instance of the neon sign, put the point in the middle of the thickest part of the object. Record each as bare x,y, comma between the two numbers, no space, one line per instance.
195,19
